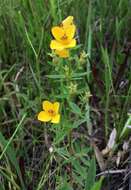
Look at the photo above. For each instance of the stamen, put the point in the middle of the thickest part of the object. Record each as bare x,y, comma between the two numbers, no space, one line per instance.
61,25
64,37
51,112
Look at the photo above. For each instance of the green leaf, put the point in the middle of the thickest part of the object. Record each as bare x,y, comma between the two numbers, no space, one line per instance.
80,74
79,169
75,109
90,180
98,184
60,135
9,150
63,152
77,178
55,76
12,157
127,129
1,187
78,123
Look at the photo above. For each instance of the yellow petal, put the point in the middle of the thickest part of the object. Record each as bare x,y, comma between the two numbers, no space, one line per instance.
56,107
59,46
62,53
56,45
44,116
47,105
55,119
70,31
57,32
71,44
68,21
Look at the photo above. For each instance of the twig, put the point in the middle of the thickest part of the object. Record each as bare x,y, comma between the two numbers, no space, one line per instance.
111,172
19,72
99,156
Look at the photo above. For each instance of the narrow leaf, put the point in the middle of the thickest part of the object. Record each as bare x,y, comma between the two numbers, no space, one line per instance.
90,180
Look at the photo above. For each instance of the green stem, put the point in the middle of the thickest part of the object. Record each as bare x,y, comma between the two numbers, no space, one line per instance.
71,153
12,137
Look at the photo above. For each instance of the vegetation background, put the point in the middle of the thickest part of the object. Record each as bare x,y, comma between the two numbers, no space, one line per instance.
28,75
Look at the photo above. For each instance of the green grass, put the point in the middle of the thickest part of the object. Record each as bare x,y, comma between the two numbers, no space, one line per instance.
29,75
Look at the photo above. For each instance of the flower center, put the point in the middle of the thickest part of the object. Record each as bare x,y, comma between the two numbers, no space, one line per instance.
51,113
61,25
64,39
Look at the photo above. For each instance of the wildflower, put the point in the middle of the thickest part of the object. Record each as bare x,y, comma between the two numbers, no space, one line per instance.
62,53
51,149
87,96
68,21
64,37
83,57
72,88
50,113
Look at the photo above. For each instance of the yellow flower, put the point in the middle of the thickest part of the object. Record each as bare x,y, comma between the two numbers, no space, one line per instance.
62,53
50,113
63,38
64,35
68,21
